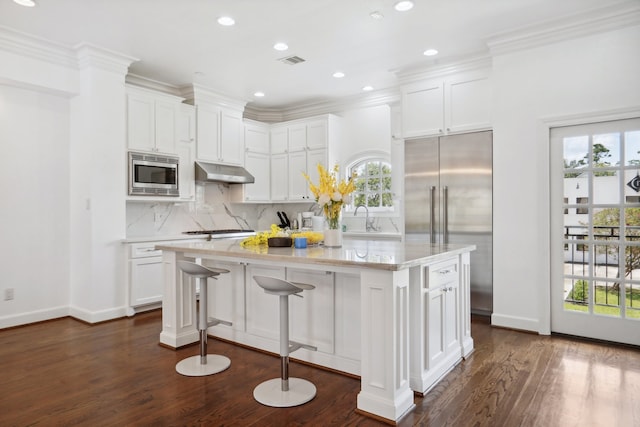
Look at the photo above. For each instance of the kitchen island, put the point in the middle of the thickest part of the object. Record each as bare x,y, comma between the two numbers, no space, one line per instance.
395,314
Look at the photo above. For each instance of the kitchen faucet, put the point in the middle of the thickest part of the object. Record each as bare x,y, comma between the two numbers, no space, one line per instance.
368,223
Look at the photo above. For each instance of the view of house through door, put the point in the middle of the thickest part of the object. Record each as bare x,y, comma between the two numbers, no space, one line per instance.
595,230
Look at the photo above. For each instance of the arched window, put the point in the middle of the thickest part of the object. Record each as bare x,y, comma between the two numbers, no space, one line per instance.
373,184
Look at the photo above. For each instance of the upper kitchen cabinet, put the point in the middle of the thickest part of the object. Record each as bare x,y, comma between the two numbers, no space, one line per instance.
186,150
458,103
219,127
151,120
257,161
303,143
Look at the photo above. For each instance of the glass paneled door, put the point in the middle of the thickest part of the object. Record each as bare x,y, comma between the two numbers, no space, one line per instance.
595,230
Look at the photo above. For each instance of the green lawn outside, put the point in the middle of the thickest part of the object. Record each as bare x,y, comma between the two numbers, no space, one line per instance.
611,309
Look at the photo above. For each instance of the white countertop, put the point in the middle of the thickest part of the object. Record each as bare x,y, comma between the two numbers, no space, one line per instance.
384,255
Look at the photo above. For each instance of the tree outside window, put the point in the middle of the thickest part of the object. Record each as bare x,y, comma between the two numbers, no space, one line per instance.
373,184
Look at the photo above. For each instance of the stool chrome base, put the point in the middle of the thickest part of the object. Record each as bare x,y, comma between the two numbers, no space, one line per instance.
191,366
270,393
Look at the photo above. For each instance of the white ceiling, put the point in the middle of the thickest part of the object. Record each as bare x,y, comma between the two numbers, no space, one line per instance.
179,42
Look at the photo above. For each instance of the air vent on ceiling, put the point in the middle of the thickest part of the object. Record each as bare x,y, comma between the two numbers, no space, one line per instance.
292,60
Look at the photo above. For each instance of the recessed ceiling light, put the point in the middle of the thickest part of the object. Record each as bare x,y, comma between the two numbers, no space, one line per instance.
403,6
227,21
338,74
258,94
367,88
430,52
27,3
280,46
376,14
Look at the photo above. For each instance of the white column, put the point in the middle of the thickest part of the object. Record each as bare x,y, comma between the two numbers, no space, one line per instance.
385,388
178,305
466,342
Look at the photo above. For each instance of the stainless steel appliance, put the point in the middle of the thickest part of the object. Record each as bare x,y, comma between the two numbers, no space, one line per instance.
448,199
153,174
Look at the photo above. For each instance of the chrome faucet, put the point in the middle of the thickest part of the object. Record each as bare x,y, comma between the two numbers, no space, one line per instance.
368,222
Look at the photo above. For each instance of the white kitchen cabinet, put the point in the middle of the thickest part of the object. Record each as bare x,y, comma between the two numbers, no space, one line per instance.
257,161
144,277
226,294
186,150
151,120
459,103
219,134
435,322
263,312
279,177
307,143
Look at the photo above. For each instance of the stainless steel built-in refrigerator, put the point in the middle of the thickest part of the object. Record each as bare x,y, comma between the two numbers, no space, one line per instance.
448,199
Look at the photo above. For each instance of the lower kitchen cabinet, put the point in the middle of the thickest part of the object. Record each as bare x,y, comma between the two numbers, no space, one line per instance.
436,321
144,277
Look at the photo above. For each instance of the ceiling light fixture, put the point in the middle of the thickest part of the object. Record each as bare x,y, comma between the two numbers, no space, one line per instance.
338,74
258,94
367,88
27,3
280,46
403,6
430,52
226,21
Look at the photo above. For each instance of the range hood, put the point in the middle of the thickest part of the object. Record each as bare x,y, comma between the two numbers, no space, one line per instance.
214,172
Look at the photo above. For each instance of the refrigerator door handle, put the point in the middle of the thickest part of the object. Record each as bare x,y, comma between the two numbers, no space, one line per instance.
445,214
432,219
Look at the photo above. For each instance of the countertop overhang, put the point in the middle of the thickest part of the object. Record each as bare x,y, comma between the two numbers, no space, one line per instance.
382,255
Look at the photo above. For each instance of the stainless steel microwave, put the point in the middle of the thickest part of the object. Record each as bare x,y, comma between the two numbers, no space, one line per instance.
153,174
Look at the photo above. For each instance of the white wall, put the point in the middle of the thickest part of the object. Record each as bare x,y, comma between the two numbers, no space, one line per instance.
588,75
364,130
34,183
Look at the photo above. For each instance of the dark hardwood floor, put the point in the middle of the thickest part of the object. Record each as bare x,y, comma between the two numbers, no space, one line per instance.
65,372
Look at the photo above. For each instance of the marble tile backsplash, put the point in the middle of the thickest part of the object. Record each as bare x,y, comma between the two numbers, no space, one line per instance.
213,209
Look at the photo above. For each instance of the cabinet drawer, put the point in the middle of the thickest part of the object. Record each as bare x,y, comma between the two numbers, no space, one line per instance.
144,250
441,273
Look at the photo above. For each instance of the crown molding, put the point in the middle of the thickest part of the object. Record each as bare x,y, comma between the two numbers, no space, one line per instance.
24,44
447,67
154,85
584,24
371,99
197,94
92,56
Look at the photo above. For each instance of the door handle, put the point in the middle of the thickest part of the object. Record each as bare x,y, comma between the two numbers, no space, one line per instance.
445,214
432,214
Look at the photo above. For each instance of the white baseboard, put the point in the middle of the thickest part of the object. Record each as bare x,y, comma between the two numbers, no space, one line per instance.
514,322
33,317
97,316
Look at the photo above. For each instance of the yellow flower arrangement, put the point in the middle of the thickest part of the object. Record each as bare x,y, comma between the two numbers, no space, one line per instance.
331,194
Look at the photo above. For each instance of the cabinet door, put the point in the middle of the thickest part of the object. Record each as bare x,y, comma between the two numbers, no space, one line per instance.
451,319
207,126
140,122
263,311
312,316
315,157
256,139
423,109
317,135
258,165
468,104
279,140
186,150
186,123
146,281
279,177
436,347
165,126
226,294
231,137
297,183
297,137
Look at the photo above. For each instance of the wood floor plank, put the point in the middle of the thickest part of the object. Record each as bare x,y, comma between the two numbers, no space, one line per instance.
65,372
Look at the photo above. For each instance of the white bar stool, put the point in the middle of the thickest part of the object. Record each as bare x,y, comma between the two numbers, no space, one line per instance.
284,392
203,364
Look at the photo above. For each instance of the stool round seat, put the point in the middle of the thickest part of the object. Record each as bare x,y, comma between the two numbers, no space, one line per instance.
284,392
202,364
